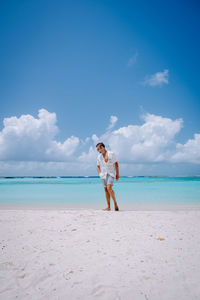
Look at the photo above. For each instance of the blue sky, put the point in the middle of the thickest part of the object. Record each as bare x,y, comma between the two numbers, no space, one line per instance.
86,61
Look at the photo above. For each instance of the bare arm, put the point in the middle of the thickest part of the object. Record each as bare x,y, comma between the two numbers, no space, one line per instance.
98,169
117,170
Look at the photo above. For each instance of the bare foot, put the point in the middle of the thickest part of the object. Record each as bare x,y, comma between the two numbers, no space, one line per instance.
116,208
107,208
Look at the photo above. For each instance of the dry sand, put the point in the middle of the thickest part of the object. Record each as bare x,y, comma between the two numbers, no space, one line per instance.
92,254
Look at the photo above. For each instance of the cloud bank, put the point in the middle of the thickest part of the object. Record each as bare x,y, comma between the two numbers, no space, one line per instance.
29,138
26,141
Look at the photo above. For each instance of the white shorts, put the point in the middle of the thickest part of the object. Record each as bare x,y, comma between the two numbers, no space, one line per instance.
109,180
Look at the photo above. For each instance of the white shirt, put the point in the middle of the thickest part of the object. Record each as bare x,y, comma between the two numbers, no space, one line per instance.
107,167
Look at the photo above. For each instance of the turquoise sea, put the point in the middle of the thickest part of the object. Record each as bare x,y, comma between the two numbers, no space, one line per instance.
88,192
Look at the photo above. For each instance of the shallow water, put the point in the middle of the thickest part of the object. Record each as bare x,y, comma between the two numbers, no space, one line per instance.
88,192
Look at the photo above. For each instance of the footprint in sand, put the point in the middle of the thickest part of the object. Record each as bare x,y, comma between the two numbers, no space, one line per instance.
102,290
6,265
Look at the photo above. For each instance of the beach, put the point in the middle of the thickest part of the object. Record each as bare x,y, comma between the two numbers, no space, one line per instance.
93,254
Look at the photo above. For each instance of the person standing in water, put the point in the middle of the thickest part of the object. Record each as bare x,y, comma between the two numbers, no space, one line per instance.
108,170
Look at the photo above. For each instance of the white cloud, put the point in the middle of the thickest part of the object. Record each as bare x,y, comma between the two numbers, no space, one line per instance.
27,142
150,142
188,152
29,138
87,139
38,168
60,151
88,158
113,120
132,60
157,79
95,138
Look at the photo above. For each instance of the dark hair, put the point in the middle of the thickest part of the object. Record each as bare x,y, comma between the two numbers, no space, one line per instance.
100,144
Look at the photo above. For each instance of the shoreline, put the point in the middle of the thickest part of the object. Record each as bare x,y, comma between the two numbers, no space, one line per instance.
99,206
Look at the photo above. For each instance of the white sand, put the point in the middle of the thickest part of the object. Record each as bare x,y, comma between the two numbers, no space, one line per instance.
91,254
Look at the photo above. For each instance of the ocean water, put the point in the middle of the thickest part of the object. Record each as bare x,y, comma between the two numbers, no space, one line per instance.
88,192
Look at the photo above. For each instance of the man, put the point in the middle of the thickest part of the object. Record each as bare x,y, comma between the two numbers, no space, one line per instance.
107,166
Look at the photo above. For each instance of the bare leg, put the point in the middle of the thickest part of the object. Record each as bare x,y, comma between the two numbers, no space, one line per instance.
107,198
112,194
